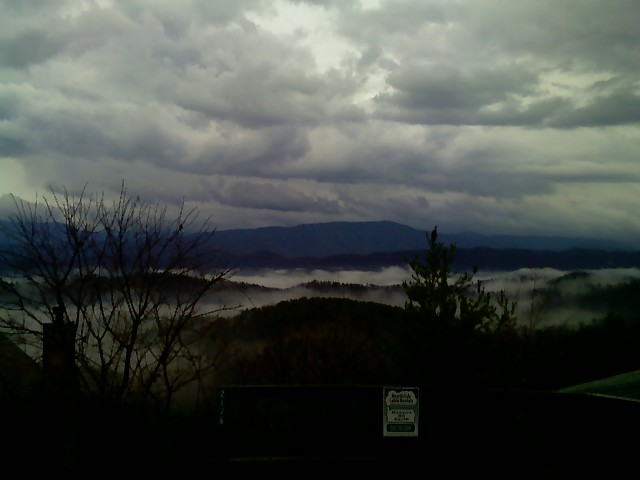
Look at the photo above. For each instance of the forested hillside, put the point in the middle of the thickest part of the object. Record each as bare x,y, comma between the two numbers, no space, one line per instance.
344,341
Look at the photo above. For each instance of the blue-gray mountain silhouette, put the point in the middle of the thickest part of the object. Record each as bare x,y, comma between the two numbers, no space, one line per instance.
364,238
372,245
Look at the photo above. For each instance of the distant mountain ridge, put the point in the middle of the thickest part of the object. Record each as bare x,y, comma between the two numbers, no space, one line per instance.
319,240
364,238
378,244
503,259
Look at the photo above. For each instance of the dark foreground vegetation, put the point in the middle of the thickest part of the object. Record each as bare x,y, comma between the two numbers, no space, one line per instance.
308,389
311,341
296,382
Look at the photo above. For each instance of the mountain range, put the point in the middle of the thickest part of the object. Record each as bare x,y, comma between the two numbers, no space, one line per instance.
372,245
363,238
377,244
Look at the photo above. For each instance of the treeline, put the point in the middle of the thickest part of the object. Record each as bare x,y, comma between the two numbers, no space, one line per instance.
485,257
451,333
341,341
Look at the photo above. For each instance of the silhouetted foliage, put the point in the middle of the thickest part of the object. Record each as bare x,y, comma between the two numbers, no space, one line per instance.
118,286
449,319
315,341
451,333
441,296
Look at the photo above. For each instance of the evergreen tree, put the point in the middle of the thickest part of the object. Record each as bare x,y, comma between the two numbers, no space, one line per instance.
451,319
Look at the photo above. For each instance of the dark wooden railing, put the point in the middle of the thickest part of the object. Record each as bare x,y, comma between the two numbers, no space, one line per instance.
459,429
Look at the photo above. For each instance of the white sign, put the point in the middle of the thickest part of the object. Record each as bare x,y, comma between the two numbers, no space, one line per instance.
401,416
403,397
400,406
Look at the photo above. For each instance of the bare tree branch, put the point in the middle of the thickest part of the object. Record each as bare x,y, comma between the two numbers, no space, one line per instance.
127,278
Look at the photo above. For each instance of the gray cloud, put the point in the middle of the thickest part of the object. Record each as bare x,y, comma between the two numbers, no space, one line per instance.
448,87
486,115
615,109
267,196
27,48
447,96
256,152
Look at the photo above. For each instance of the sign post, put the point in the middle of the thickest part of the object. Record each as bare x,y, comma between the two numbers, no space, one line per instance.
400,411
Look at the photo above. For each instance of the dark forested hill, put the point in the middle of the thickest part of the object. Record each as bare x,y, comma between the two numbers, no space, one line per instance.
344,341
373,245
484,258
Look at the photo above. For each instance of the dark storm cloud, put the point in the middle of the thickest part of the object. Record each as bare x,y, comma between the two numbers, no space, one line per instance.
488,63
12,146
267,196
27,48
447,95
449,87
408,203
273,86
580,34
486,168
255,96
125,135
9,105
587,35
488,115
616,109
259,152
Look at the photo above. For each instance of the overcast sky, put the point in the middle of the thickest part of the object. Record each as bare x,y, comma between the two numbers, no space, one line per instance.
494,116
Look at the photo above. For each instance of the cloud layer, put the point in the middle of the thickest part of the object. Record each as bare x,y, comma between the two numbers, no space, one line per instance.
517,117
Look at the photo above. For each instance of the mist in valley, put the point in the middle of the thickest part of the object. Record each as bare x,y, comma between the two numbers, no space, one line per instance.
545,296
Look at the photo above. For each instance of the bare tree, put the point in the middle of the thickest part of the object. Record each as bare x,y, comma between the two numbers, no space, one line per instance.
111,293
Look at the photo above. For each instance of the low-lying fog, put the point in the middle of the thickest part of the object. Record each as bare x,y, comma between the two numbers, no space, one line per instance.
545,296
